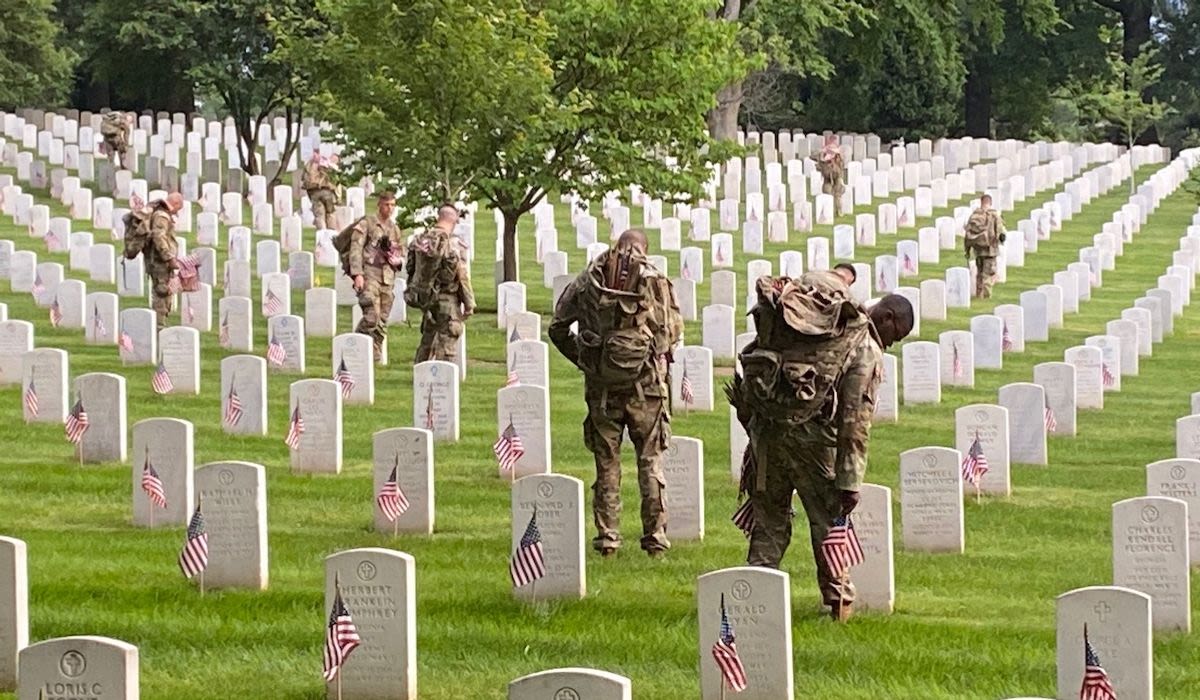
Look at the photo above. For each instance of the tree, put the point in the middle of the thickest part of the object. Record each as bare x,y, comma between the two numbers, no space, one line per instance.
508,100
790,35
1116,100
35,68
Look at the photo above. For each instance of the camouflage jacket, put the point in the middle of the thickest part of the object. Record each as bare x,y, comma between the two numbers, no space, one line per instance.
163,248
987,243
376,248
626,329
452,277
833,170
316,177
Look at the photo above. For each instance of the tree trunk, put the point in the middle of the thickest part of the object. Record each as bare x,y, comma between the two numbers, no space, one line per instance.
978,99
723,119
1135,23
510,244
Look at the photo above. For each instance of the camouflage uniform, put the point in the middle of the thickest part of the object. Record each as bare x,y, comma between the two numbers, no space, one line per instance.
442,317
115,129
818,456
986,247
833,174
376,252
642,408
322,194
160,260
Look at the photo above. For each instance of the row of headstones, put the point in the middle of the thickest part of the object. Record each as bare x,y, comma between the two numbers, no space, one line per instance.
378,585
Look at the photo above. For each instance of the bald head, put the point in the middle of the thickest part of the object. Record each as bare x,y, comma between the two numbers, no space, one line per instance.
634,238
893,318
985,201
447,214
175,202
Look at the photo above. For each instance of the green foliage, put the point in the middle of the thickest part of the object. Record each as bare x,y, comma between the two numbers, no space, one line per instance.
35,68
507,100
1115,100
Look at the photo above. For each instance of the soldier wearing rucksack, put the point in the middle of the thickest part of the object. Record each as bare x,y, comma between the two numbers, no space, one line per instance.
832,167
150,232
628,323
806,398
983,235
372,251
316,181
114,127
439,286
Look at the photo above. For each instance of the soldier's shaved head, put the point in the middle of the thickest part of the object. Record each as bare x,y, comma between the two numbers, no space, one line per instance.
893,318
634,238
448,213
985,200
847,272
174,202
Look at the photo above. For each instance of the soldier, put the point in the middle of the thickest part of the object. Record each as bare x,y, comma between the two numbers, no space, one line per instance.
114,127
847,272
984,233
832,167
806,396
161,254
629,322
439,285
376,252
317,182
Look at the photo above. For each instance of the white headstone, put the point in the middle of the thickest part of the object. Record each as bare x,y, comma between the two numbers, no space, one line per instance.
233,500
921,368
758,604
78,667
318,403
436,399
409,452
244,387
683,468
931,509
875,578
1058,380
14,608
571,684
1150,554
557,503
526,408
164,445
1118,627
1026,404
1090,373
354,353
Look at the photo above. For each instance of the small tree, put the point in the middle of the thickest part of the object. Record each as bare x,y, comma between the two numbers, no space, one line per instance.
1117,101
508,100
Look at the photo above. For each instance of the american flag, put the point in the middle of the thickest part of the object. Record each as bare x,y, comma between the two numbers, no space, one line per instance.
975,464
743,517
1051,420
429,418
508,447
38,286
1110,379
31,399
724,651
903,216
194,557
721,254
276,354
99,330
295,429
957,362
881,284
272,305
512,379
391,499
909,266
686,272
189,312
223,338
233,407
686,393
152,484
840,547
56,315
136,202
161,381
515,335
51,241
1006,341
1096,685
77,422
343,377
125,342
341,638
528,563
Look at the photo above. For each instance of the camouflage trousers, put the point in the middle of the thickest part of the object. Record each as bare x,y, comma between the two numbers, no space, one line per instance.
837,189
118,149
441,327
375,299
807,469
985,275
649,425
161,298
324,208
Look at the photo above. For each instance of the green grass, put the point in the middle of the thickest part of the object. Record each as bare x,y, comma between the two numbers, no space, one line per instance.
980,625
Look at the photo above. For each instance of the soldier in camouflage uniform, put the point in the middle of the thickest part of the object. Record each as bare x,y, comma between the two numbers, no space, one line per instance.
376,253
832,167
629,322
114,127
161,255
806,397
984,233
439,285
321,190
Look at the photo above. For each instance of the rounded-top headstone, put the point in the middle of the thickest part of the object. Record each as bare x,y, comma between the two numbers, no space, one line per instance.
408,452
233,498
14,608
571,684
1150,554
1178,478
1118,624
79,667
758,604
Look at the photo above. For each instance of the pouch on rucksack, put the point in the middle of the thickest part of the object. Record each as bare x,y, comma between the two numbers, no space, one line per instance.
341,243
432,262
137,231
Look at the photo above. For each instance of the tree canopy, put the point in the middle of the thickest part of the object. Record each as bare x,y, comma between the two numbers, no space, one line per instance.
35,64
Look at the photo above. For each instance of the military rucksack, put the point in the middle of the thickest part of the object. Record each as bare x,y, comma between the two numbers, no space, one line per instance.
808,329
433,263
977,229
341,244
137,230
624,327
112,124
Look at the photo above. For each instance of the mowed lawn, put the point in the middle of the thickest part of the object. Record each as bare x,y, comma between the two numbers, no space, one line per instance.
979,625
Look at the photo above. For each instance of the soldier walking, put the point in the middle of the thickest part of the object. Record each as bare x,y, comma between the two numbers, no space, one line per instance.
376,252
984,233
114,127
832,167
629,322
322,193
439,286
151,232
806,397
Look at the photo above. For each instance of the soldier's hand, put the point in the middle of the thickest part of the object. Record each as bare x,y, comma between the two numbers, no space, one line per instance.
358,283
849,501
